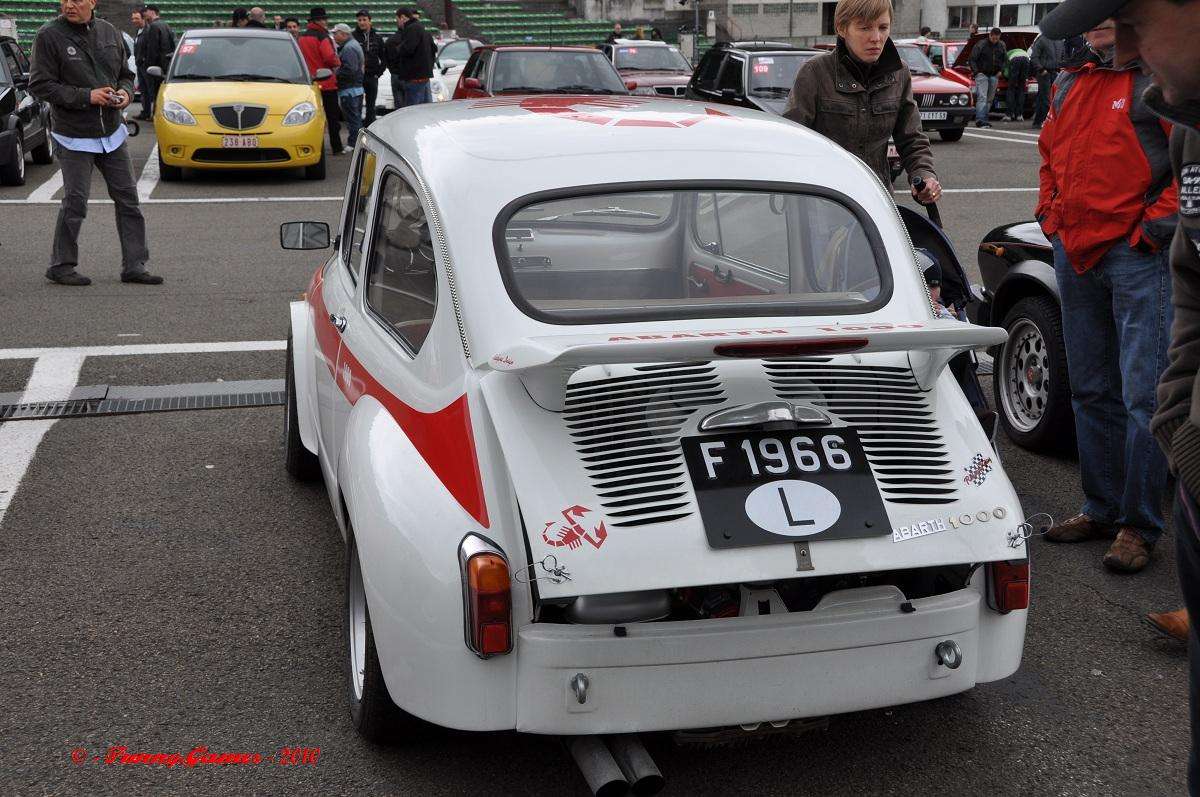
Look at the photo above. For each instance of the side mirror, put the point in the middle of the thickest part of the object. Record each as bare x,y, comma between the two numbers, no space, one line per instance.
322,74
8,101
154,71
472,83
631,84
304,235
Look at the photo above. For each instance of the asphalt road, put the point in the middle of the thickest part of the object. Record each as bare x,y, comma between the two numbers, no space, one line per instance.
166,586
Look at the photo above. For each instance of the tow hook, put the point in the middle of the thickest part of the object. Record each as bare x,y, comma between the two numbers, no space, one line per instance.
949,654
579,685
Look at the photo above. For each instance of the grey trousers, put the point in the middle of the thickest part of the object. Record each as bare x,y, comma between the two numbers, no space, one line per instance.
116,168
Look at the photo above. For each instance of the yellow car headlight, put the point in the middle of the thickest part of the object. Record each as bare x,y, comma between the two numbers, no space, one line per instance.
176,114
300,114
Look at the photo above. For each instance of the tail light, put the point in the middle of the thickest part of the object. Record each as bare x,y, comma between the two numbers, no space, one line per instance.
1008,585
487,597
798,348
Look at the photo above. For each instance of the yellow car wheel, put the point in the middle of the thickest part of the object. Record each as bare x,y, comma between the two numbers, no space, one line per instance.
169,174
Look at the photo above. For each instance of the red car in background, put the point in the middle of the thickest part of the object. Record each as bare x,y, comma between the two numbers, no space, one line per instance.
946,105
1015,39
499,69
657,67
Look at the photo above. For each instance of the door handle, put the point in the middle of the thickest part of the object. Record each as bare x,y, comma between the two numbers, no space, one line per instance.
338,321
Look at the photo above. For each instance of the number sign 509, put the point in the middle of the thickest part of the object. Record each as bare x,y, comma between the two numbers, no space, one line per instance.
776,458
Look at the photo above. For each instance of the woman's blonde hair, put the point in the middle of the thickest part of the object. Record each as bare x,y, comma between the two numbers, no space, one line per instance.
849,10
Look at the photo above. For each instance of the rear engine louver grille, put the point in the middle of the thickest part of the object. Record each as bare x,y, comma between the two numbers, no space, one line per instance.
893,419
626,432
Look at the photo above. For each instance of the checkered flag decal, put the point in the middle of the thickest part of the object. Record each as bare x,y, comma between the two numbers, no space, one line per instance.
978,470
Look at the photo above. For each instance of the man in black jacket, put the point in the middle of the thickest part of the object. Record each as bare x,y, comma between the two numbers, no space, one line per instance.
80,68
158,49
139,56
410,57
372,46
988,58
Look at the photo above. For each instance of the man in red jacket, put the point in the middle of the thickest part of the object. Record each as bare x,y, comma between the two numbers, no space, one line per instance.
319,53
1109,205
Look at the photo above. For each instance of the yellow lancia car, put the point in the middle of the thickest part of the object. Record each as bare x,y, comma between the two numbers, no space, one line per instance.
239,98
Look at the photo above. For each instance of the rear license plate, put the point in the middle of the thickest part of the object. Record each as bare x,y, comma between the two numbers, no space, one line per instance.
239,142
764,488
933,116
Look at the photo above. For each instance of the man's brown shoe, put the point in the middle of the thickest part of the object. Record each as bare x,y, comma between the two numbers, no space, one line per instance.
1080,529
1129,553
1174,624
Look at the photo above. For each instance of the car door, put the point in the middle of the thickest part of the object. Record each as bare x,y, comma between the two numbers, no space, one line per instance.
335,312
28,108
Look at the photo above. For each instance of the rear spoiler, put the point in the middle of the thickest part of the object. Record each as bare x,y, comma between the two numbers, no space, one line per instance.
807,341
930,344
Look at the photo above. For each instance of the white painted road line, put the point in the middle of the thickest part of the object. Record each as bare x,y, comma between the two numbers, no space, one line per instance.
54,377
982,191
149,178
137,349
200,200
973,134
45,192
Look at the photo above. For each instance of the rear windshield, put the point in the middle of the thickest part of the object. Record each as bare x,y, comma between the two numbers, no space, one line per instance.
775,74
565,71
690,254
238,58
650,58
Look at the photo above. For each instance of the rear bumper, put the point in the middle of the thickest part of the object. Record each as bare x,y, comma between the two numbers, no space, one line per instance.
856,651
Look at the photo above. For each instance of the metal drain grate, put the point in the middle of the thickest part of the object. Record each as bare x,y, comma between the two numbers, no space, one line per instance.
106,400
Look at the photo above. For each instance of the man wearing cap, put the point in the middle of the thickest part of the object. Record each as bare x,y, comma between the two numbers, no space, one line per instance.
349,80
372,46
317,48
1162,35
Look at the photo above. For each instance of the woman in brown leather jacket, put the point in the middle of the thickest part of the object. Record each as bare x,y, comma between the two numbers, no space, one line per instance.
860,95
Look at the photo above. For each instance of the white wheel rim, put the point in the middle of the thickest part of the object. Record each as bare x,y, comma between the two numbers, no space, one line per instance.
1025,377
356,609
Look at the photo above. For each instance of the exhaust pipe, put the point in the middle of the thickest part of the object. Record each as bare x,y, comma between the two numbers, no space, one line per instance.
601,772
636,764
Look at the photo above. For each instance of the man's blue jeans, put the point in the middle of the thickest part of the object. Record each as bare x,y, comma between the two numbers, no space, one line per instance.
985,94
1117,325
410,92
352,114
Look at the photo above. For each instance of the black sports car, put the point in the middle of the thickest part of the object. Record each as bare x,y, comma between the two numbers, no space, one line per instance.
24,121
1020,293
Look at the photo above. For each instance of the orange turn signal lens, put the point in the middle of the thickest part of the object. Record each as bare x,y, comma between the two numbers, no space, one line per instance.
489,604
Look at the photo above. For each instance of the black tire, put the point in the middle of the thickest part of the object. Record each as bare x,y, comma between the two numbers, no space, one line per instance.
43,153
317,170
169,174
13,172
954,134
301,463
373,713
1030,381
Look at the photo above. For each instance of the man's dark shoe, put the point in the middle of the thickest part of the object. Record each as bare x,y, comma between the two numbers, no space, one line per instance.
1129,553
69,278
142,278
1081,528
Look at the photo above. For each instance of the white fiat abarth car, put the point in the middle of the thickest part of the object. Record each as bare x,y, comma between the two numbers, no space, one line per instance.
635,416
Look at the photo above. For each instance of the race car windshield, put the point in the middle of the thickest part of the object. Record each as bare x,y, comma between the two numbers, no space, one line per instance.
549,72
916,61
647,59
775,74
238,59
689,254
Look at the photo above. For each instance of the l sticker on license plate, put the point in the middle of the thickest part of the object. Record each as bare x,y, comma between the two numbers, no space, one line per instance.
933,116
239,142
764,488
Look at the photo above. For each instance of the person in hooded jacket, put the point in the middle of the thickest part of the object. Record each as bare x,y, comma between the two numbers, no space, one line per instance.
316,46
860,95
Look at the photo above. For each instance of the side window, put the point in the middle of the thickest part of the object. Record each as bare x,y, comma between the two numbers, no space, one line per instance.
731,75
401,277
706,73
356,212
485,61
748,227
708,223
14,68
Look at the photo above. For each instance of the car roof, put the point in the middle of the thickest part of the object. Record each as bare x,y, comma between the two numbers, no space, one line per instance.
247,33
537,48
640,43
